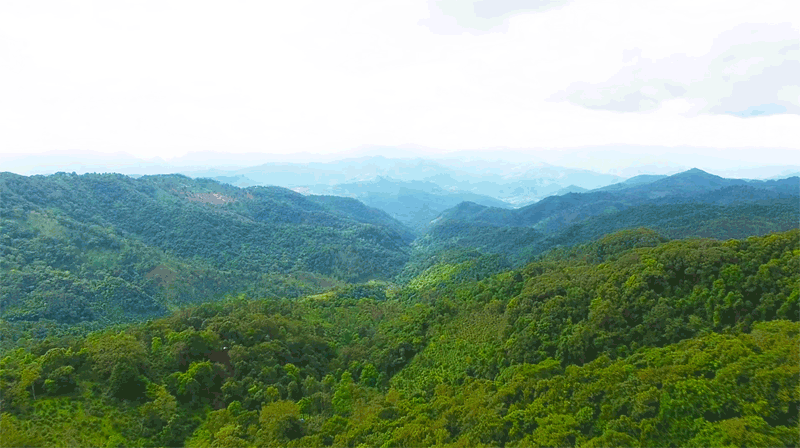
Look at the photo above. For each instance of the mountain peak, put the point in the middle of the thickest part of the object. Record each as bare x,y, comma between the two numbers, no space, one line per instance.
693,179
696,171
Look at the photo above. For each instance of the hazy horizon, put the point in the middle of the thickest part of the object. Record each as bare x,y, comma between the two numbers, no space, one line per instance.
570,82
623,161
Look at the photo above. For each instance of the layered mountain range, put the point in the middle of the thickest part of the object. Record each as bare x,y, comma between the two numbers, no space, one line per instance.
171,311
689,204
514,183
108,248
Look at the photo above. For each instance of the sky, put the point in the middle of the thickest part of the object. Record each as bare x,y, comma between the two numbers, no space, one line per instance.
165,79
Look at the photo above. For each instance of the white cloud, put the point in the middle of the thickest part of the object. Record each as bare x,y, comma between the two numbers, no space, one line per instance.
753,69
480,16
166,78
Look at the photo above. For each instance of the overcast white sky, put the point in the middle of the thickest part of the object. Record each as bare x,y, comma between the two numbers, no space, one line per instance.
163,78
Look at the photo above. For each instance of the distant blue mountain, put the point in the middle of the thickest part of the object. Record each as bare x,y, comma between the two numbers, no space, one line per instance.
414,203
571,189
636,180
237,181
513,183
786,176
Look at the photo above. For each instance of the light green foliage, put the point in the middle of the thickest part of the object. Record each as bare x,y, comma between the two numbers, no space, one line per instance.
745,431
156,413
369,376
279,423
343,397
109,350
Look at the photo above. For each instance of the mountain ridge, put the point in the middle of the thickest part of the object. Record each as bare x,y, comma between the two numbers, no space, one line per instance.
701,204
100,249
681,185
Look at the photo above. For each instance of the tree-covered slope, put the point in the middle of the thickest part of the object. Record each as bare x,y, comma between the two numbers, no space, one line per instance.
635,180
680,220
627,341
691,204
554,213
101,249
268,229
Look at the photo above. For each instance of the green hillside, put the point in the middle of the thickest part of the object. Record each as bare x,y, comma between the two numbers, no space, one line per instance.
555,213
626,341
690,204
84,252
96,250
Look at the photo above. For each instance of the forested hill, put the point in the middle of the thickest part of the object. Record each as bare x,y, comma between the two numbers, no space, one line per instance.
689,204
628,341
258,227
105,247
693,186
635,180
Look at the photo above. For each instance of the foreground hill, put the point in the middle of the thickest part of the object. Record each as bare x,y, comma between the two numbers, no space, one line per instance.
627,341
107,248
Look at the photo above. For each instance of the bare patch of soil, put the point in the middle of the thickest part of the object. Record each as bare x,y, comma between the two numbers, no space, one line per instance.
210,198
163,274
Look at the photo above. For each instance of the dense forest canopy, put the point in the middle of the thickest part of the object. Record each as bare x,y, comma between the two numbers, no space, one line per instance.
95,250
686,205
627,341
81,253
169,311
